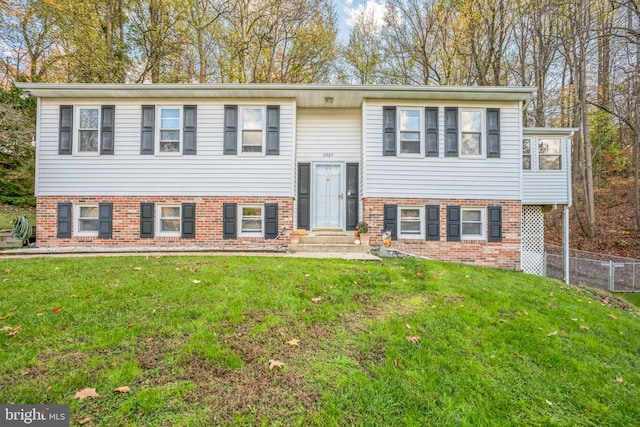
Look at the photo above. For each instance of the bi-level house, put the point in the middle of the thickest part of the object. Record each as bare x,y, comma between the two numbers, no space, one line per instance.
450,171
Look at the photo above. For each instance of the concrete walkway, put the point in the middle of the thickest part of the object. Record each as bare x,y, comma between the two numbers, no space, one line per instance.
86,252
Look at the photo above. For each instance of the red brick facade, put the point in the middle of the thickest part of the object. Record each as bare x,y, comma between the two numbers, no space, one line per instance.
504,254
126,223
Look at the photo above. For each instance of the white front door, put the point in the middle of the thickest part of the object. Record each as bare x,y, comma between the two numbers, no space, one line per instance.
328,196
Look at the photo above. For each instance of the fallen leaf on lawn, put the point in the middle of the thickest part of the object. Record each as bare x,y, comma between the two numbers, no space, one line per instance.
137,268
408,327
15,331
84,420
5,317
619,379
434,277
414,340
87,392
55,310
307,275
7,271
6,328
316,300
550,403
123,389
193,270
613,316
195,281
583,327
550,294
574,319
39,314
131,325
5,280
70,340
294,341
273,363
552,333
149,340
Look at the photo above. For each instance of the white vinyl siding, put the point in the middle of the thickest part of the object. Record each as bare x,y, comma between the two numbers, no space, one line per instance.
209,173
444,177
328,135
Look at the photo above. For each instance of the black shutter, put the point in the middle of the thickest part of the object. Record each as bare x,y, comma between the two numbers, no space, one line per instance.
66,129
495,223
304,195
64,220
453,223
188,220
148,129
273,130
433,222
107,129
229,223
231,129
388,131
353,198
270,220
146,220
451,131
431,131
105,220
493,132
190,129
391,220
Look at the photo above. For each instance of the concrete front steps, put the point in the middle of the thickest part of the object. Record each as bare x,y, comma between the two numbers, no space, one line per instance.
338,242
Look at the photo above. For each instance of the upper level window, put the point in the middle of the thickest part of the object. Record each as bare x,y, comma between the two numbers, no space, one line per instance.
472,223
168,220
409,130
526,154
86,220
411,222
88,125
471,126
169,130
252,129
550,154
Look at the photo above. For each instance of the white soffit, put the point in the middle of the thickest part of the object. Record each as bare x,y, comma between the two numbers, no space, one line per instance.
306,96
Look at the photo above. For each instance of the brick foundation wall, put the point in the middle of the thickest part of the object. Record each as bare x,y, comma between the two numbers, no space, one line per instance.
505,254
126,223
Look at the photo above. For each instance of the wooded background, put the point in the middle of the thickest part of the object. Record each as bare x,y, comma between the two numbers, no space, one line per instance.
582,55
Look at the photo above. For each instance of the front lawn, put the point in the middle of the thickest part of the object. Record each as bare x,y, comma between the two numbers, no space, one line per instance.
282,341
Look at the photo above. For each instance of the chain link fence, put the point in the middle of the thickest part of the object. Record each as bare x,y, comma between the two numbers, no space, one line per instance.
612,273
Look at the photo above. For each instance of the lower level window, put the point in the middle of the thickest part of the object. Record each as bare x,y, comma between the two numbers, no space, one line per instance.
251,220
86,220
168,220
472,223
411,222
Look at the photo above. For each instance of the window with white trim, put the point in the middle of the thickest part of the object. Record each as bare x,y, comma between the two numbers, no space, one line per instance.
169,140
88,129
409,135
251,220
526,154
252,123
472,223
550,154
168,220
86,219
411,218
471,130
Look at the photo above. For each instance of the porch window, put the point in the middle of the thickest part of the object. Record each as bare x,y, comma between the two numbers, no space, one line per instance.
550,154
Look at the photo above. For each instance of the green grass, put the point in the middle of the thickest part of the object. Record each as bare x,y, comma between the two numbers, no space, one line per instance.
632,298
8,213
193,336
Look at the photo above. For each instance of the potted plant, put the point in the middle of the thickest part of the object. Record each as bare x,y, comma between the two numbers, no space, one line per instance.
363,232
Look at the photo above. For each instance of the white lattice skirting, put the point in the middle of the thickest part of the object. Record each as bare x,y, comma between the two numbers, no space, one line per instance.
533,240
